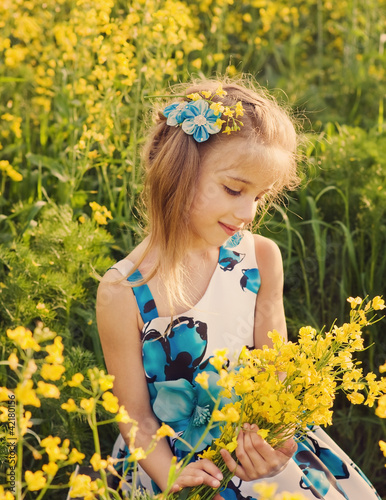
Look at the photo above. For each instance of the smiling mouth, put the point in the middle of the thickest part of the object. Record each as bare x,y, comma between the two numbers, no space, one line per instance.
230,230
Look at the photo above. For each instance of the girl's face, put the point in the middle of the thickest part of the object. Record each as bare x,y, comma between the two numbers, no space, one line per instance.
234,178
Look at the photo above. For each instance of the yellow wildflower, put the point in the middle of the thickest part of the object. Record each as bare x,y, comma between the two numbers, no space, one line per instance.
23,337
5,495
164,430
69,406
50,469
194,97
97,463
55,351
13,361
76,380
26,395
202,379
123,416
382,368
382,445
51,445
48,390
220,92
263,433
380,411
239,109
110,402
5,394
35,480
88,405
4,414
219,358
25,422
76,456
52,372
137,454
378,303
82,486
354,301
207,94
217,108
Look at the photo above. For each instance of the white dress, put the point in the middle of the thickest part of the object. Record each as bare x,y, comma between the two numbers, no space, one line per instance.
224,317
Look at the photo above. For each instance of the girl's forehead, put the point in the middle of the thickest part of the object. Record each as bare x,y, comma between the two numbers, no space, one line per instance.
245,161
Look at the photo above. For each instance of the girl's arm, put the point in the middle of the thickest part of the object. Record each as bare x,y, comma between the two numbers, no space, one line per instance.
256,458
119,325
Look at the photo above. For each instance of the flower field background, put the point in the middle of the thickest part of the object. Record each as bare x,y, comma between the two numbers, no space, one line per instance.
74,82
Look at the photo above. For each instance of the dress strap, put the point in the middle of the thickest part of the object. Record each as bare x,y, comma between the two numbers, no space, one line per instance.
145,300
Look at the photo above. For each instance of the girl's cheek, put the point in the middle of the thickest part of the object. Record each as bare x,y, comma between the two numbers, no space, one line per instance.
206,196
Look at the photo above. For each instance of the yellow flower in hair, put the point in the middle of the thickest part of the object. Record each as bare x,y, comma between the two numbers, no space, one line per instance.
217,107
227,130
194,97
228,112
239,109
220,92
35,480
206,93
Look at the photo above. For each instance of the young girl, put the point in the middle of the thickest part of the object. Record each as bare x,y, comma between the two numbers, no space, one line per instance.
200,281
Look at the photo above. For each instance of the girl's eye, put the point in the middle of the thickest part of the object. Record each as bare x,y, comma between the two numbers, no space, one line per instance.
231,191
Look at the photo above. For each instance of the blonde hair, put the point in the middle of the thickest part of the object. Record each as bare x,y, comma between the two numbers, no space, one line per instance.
172,167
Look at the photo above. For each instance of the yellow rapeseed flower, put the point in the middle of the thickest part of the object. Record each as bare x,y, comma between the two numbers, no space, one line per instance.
13,361
82,486
110,402
202,379
97,463
123,416
51,445
88,405
5,495
25,422
52,372
357,301
70,406
55,351
26,395
75,457
35,480
50,469
23,337
378,303
48,390
164,431
4,414
380,411
76,380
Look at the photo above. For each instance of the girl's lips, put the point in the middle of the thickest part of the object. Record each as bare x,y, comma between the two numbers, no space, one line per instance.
230,230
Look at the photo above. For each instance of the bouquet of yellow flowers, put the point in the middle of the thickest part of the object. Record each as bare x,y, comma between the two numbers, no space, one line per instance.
291,386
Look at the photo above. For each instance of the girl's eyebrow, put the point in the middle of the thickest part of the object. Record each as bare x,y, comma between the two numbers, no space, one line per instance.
239,179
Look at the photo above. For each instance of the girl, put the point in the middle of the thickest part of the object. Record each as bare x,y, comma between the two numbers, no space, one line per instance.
201,281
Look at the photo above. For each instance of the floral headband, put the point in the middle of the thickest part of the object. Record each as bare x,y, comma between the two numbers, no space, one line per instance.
201,116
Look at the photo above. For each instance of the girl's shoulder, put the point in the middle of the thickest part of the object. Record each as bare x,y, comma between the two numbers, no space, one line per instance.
268,255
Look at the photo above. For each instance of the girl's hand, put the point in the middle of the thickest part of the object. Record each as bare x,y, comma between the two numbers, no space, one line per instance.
257,459
201,472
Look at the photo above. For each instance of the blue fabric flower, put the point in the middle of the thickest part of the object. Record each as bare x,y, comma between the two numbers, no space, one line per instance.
187,408
173,113
199,120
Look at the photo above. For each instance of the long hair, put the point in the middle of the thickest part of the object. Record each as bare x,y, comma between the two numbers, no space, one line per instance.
172,162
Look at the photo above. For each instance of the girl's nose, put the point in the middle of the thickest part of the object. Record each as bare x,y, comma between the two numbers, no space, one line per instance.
246,210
